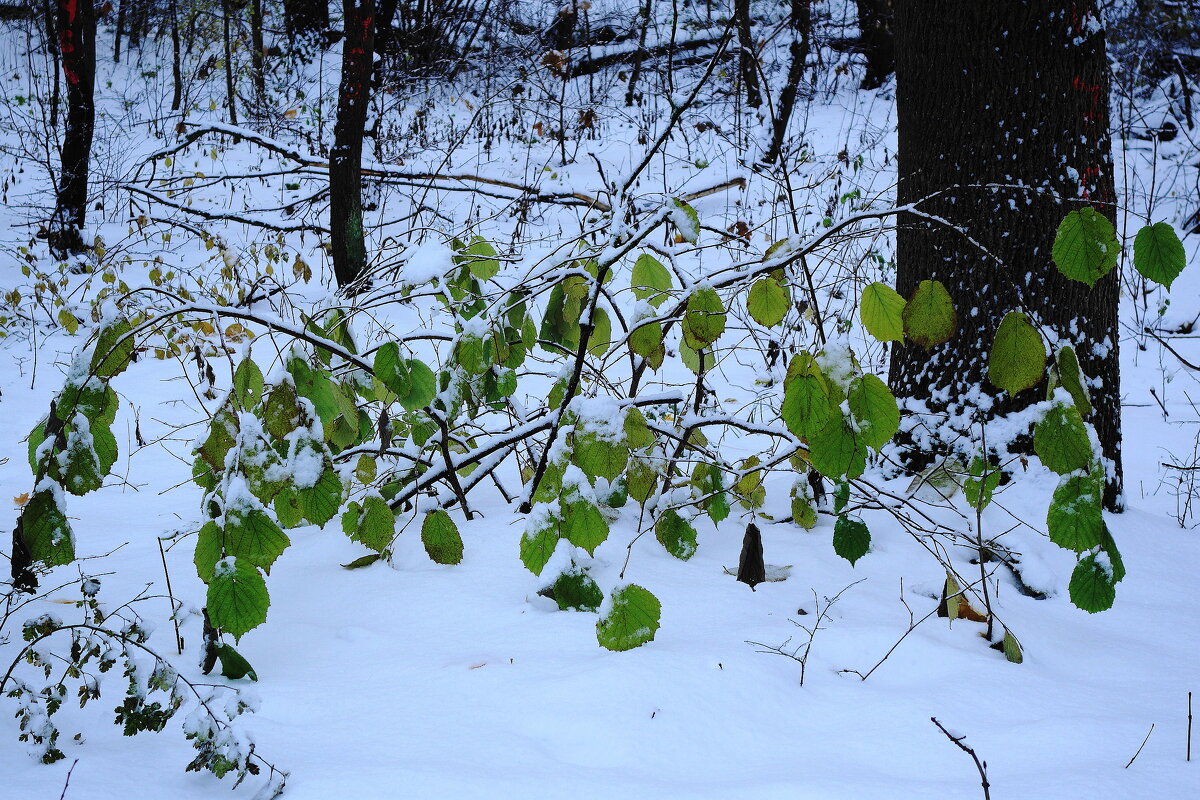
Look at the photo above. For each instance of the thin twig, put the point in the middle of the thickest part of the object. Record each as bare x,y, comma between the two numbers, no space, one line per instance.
1143,744
979,765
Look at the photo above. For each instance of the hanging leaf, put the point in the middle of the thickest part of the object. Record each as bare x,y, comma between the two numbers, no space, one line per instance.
1070,376
651,281
929,316
1061,441
441,538
599,457
882,312
537,546
686,220
704,319
851,538
253,538
480,258
1018,357
1012,648
319,502
248,383
768,302
752,569
804,513
978,489
237,598
114,349
281,414
836,450
374,525
1158,253
1074,519
875,410
233,665
676,535
583,525
631,622
1085,246
45,531
1092,586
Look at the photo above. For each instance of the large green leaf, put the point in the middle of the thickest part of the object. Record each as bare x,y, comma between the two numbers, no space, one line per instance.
768,302
248,383
82,473
538,545
1092,586
1074,519
851,538
631,622
1061,441
882,312
237,598
45,530
875,410
281,413
1158,253
480,258
929,316
375,525
253,538
704,319
807,402
598,456
1070,376
583,525
676,535
575,589
836,450
114,349
1085,246
1018,357
441,538
319,502
651,281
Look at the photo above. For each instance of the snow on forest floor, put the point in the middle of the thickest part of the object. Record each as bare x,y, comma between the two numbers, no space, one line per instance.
419,680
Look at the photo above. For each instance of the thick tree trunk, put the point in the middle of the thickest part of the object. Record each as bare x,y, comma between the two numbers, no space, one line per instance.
345,159
77,49
1013,98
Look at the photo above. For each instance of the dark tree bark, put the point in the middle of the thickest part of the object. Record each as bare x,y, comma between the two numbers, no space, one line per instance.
875,25
345,159
305,19
1013,96
801,24
176,70
230,87
77,50
747,57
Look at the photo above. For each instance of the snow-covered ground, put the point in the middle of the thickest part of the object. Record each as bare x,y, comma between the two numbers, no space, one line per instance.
419,680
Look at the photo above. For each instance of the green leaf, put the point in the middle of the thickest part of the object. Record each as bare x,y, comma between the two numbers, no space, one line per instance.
391,370
978,490
1074,519
601,336
315,385
1092,586
704,319
749,488
851,538
363,561
440,536
599,457
929,317
709,483
237,598
1085,246
1110,547
575,589
641,479
114,349
1158,253
82,473
319,502
836,450
882,312
583,525
376,524
537,547
676,535
45,530
768,302
808,403
1071,377
287,507
637,431
631,622
841,495
468,352
647,341
253,538
233,665
804,513
282,413
686,220
210,548
1012,648
875,410
423,386
1018,357
480,258
1061,441
651,281
248,384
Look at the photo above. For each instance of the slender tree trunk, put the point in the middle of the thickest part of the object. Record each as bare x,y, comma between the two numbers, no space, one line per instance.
1012,96
345,159
230,87
631,91
257,68
176,70
77,47
875,24
51,16
801,23
747,57
120,31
